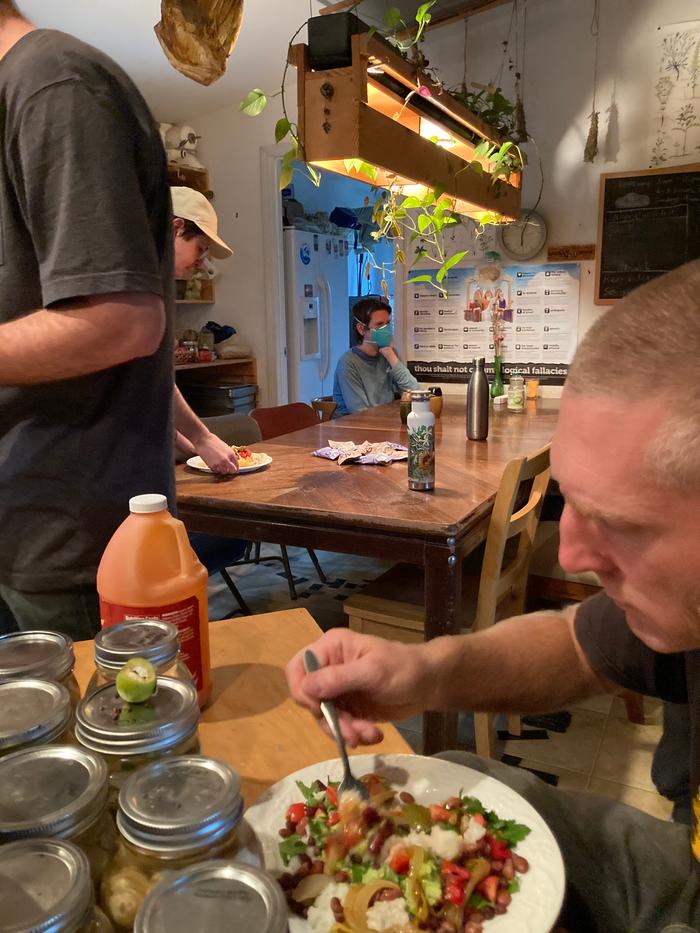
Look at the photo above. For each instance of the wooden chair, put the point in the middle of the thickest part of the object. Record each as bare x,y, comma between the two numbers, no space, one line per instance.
274,421
324,406
396,602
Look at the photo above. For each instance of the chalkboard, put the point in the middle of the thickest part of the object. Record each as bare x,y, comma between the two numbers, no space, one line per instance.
648,223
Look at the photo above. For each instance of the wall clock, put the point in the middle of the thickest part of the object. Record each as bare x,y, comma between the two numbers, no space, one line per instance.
523,238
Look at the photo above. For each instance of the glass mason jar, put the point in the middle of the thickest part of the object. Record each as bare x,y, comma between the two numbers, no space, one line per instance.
33,712
42,655
131,735
151,639
516,393
171,815
58,791
51,888
201,898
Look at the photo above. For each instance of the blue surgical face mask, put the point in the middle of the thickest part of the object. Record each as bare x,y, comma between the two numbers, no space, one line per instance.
382,336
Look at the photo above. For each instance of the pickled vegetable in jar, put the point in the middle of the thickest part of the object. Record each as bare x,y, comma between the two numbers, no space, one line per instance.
33,712
42,655
171,814
154,640
58,791
201,898
45,884
132,735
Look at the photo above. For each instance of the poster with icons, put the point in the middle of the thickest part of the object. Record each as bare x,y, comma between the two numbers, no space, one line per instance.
536,304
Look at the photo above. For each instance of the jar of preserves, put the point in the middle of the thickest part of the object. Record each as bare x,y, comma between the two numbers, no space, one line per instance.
131,735
153,640
33,712
43,655
200,898
171,815
516,393
58,791
45,885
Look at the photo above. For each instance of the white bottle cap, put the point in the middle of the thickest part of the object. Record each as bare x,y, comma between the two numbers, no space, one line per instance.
152,502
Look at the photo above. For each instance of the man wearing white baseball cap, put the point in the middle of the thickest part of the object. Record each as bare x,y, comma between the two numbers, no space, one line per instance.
195,228
196,231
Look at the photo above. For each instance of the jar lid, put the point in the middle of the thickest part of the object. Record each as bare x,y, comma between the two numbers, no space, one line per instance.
208,895
56,790
45,887
151,639
36,654
180,804
32,712
106,723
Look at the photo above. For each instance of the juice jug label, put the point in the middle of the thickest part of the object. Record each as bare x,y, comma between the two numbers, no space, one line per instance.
183,615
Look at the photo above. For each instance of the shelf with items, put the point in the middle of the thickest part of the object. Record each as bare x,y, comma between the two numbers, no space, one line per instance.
185,175
194,292
220,387
242,365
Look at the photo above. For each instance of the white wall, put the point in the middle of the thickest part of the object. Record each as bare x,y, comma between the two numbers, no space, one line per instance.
558,85
558,88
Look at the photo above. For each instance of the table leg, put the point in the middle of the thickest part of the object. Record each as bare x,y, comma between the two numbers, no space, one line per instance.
443,604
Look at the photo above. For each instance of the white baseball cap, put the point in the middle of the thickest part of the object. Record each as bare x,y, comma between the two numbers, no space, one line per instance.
192,205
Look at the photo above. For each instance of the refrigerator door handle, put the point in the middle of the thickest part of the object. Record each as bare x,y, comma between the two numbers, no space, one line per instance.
325,326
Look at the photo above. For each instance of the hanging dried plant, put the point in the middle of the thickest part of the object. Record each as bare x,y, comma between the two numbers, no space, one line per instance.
590,150
520,127
197,36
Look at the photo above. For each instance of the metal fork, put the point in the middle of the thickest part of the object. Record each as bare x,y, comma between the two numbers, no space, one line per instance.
349,782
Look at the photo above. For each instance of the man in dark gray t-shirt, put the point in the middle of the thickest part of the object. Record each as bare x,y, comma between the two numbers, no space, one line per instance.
86,294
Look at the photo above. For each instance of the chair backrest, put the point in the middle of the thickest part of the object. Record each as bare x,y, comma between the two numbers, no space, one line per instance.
324,406
234,429
502,589
282,419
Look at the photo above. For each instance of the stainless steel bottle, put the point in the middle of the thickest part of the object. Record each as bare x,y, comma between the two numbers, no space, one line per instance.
478,403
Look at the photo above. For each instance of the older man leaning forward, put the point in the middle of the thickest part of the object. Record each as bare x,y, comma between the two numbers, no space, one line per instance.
626,454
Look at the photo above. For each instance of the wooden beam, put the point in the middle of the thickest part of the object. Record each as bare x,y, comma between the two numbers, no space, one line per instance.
465,13
338,7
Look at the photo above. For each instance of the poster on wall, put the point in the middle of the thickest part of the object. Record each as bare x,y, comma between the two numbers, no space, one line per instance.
675,137
538,307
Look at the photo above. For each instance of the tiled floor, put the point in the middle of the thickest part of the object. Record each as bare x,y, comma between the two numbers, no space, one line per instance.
600,752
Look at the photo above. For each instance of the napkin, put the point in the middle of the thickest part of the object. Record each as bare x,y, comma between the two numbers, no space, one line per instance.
348,452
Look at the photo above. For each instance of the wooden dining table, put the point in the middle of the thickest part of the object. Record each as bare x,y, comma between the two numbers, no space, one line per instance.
312,502
251,722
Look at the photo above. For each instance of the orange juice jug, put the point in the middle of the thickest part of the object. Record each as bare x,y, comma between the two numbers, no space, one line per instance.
149,570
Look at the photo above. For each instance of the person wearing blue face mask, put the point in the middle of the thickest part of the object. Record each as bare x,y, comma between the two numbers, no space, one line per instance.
370,373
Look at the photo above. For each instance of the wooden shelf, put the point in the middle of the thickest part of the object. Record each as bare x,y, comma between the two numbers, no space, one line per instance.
194,301
236,361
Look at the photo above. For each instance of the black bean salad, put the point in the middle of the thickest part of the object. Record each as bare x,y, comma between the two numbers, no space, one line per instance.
392,864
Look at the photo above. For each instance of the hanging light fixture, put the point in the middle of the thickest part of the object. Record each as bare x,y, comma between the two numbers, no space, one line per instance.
377,109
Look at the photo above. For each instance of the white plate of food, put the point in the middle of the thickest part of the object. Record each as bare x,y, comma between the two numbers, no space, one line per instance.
411,857
248,461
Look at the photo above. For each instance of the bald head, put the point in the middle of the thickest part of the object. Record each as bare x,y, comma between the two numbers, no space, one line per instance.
649,345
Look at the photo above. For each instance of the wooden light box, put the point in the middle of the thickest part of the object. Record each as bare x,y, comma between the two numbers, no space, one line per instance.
372,110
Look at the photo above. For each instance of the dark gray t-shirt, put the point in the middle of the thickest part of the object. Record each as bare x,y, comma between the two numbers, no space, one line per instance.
84,210
614,651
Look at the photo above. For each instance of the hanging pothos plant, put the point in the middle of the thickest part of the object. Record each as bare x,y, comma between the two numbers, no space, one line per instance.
403,220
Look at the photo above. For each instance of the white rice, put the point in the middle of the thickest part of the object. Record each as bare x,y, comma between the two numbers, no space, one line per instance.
320,915
388,915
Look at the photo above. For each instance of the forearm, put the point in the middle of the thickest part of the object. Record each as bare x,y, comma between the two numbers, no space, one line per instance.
79,338
527,664
403,380
187,423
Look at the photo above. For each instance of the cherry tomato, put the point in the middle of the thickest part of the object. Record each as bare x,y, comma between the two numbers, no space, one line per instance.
297,812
